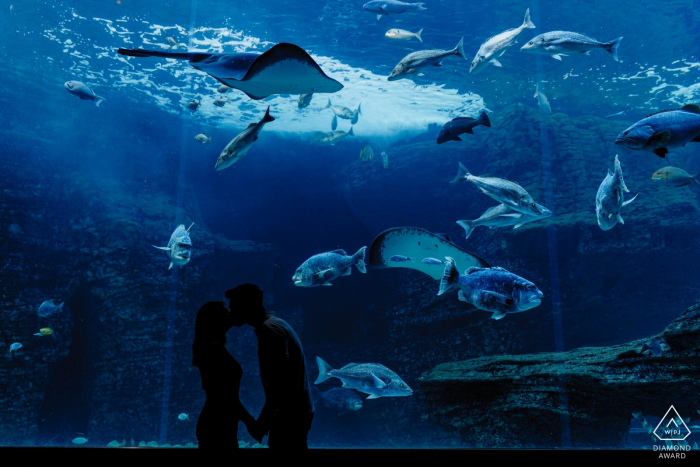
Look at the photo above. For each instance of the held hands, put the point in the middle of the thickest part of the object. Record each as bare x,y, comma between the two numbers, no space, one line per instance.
255,431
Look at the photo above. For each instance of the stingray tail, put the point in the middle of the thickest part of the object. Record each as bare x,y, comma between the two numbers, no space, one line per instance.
193,57
268,118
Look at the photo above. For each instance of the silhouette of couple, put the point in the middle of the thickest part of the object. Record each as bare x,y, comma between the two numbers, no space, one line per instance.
287,414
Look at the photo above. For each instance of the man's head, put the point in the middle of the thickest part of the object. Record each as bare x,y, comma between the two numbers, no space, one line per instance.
246,304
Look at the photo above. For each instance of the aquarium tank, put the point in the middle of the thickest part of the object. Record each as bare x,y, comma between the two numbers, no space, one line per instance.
480,219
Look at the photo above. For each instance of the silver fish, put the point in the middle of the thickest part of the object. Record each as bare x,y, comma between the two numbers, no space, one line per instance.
15,347
503,216
220,101
371,378
562,43
344,113
403,35
417,61
610,198
542,100
328,139
497,45
179,247
193,104
83,92
390,7
223,89
173,43
305,100
673,176
239,146
202,138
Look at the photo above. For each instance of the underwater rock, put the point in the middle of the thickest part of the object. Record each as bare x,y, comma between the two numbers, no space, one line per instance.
525,400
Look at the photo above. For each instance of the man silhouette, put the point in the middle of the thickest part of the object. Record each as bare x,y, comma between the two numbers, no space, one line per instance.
287,414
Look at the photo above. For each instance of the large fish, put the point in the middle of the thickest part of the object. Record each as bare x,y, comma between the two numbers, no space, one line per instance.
502,216
663,130
561,43
451,130
416,61
322,268
414,242
239,146
344,113
320,138
371,378
502,190
179,247
284,69
83,92
497,45
491,289
390,7
610,198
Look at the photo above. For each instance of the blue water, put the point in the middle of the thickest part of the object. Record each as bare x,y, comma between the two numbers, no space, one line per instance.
79,179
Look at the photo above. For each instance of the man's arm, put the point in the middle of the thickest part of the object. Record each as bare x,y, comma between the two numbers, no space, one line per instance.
274,362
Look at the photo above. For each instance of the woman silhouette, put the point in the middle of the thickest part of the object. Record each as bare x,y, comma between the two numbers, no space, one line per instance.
217,426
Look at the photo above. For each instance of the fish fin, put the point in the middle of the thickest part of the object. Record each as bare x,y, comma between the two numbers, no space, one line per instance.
695,140
418,35
188,228
339,251
334,122
618,172
328,105
358,259
469,130
355,119
459,50
659,138
98,100
462,174
327,284
378,383
450,277
498,314
517,226
267,117
438,63
694,108
629,201
373,396
619,219
558,56
455,138
483,119
468,227
527,22
379,17
462,297
324,370
322,272
495,62
347,271
350,133
171,265
255,139
661,152
587,52
38,334
161,247
611,48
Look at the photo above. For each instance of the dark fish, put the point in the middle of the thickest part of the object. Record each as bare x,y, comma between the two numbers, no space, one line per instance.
399,258
654,347
452,129
284,69
340,399
304,100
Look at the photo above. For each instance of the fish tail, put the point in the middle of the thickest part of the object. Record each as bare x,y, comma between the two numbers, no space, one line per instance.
358,259
418,35
459,50
611,48
420,6
462,174
527,22
98,100
467,226
61,305
484,119
350,133
324,370
328,105
315,394
209,139
450,277
268,118
359,109
618,173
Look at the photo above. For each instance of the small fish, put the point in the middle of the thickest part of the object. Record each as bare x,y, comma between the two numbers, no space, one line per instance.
662,130
80,440
173,43
367,154
179,247
202,138
562,43
503,216
44,332
403,35
432,261
610,198
616,114
83,92
220,101
418,61
340,399
542,100
48,308
673,176
654,347
385,160
491,289
305,100
344,113
502,190
399,258
116,444
329,139
238,147
371,378
15,347
494,47
451,130
322,268
390,7
223,89
183,417
194,105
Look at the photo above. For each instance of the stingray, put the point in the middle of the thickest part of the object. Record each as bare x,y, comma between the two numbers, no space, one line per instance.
418,244
284,69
